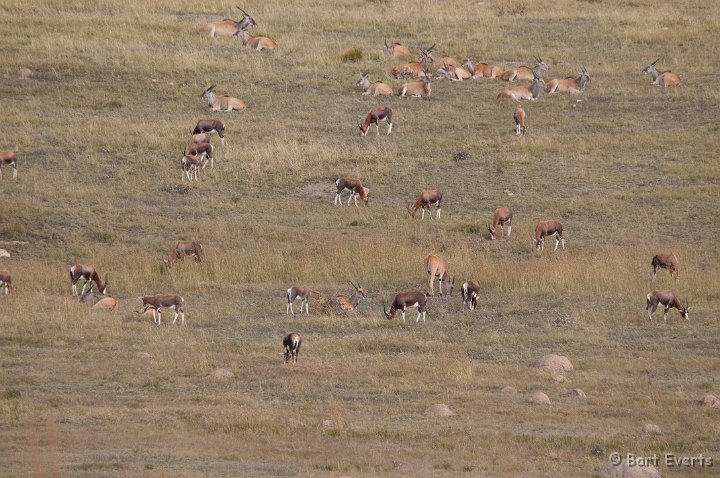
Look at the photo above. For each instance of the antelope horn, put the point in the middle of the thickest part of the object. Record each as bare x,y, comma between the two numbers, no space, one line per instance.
653,63
386,44
433,46
246,13
354,286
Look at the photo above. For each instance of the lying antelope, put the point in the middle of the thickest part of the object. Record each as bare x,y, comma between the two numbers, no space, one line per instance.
210,126
5,282
501,217
531,92
356,188
190,166
104,302
302,293
482,70
546,229
291,347
160,301
204,152
435,267
222,103
520,125
181,249
351,302
665,78
570,84
414,69
228,27
470,292
405,299
377,88
396,49
257,42
375,116
416,89
89,275
666,261
447,61
8,157
455,73
427,198
667,299
525,72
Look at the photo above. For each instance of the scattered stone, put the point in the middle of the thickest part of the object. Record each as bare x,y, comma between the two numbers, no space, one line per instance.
4,254
623,470
176,188
576,392
221,374
651,429
538,398
461,155
597,450
509,390
24,73
329,423
558,378
553,363
709,400
143,355
439,410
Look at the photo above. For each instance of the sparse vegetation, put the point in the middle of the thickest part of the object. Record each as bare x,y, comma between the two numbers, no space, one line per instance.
630,171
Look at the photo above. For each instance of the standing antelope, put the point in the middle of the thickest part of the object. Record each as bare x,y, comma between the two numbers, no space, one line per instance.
157,302
182,249
8,157
435,267
204,151
427,198
517,93
190,166
89,275
104,302
210,126
665,78
502,217
666,261
405,299
520,125
482,70
667,299
351,302
228,27
570,84
525,72
375,116
291,347
356,188
416,89
396,49
302,293
256,42
377,88
413,69
545,229
470,292
222,103
5,282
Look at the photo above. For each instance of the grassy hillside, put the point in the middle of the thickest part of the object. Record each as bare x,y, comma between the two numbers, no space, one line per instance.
628,168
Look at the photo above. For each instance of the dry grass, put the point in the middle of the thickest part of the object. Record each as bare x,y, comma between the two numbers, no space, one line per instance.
629,170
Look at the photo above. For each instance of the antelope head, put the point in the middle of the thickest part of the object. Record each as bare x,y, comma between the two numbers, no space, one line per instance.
685,312
490,230
247,21
358,288
207,92
387,314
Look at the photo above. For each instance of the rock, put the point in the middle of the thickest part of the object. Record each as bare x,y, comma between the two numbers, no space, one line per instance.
538,398
509,390
553,363
143,355
651,429
4,254
708,400
623,470
24,73
329,423
576,392
221,374
557,378
439,410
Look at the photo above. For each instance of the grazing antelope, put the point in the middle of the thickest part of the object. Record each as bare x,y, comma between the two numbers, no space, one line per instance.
291,346
546,229
89,275
416,89
414,69
204,151
482,70
427,198
517,93
435,267
228,27
520,126
502,217
356,188
5,282
470,292
199,138
665,78
160,301
396,49
375,116
667,299
104,302
377,88
570,84
190,166
256,42
222,103
210,126
351,302
182,249
8,157
405,299
525,72
666,261
302,293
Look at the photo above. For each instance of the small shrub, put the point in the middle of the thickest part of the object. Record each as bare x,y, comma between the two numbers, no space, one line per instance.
11,393
517,10
352,55
176,188
461,155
